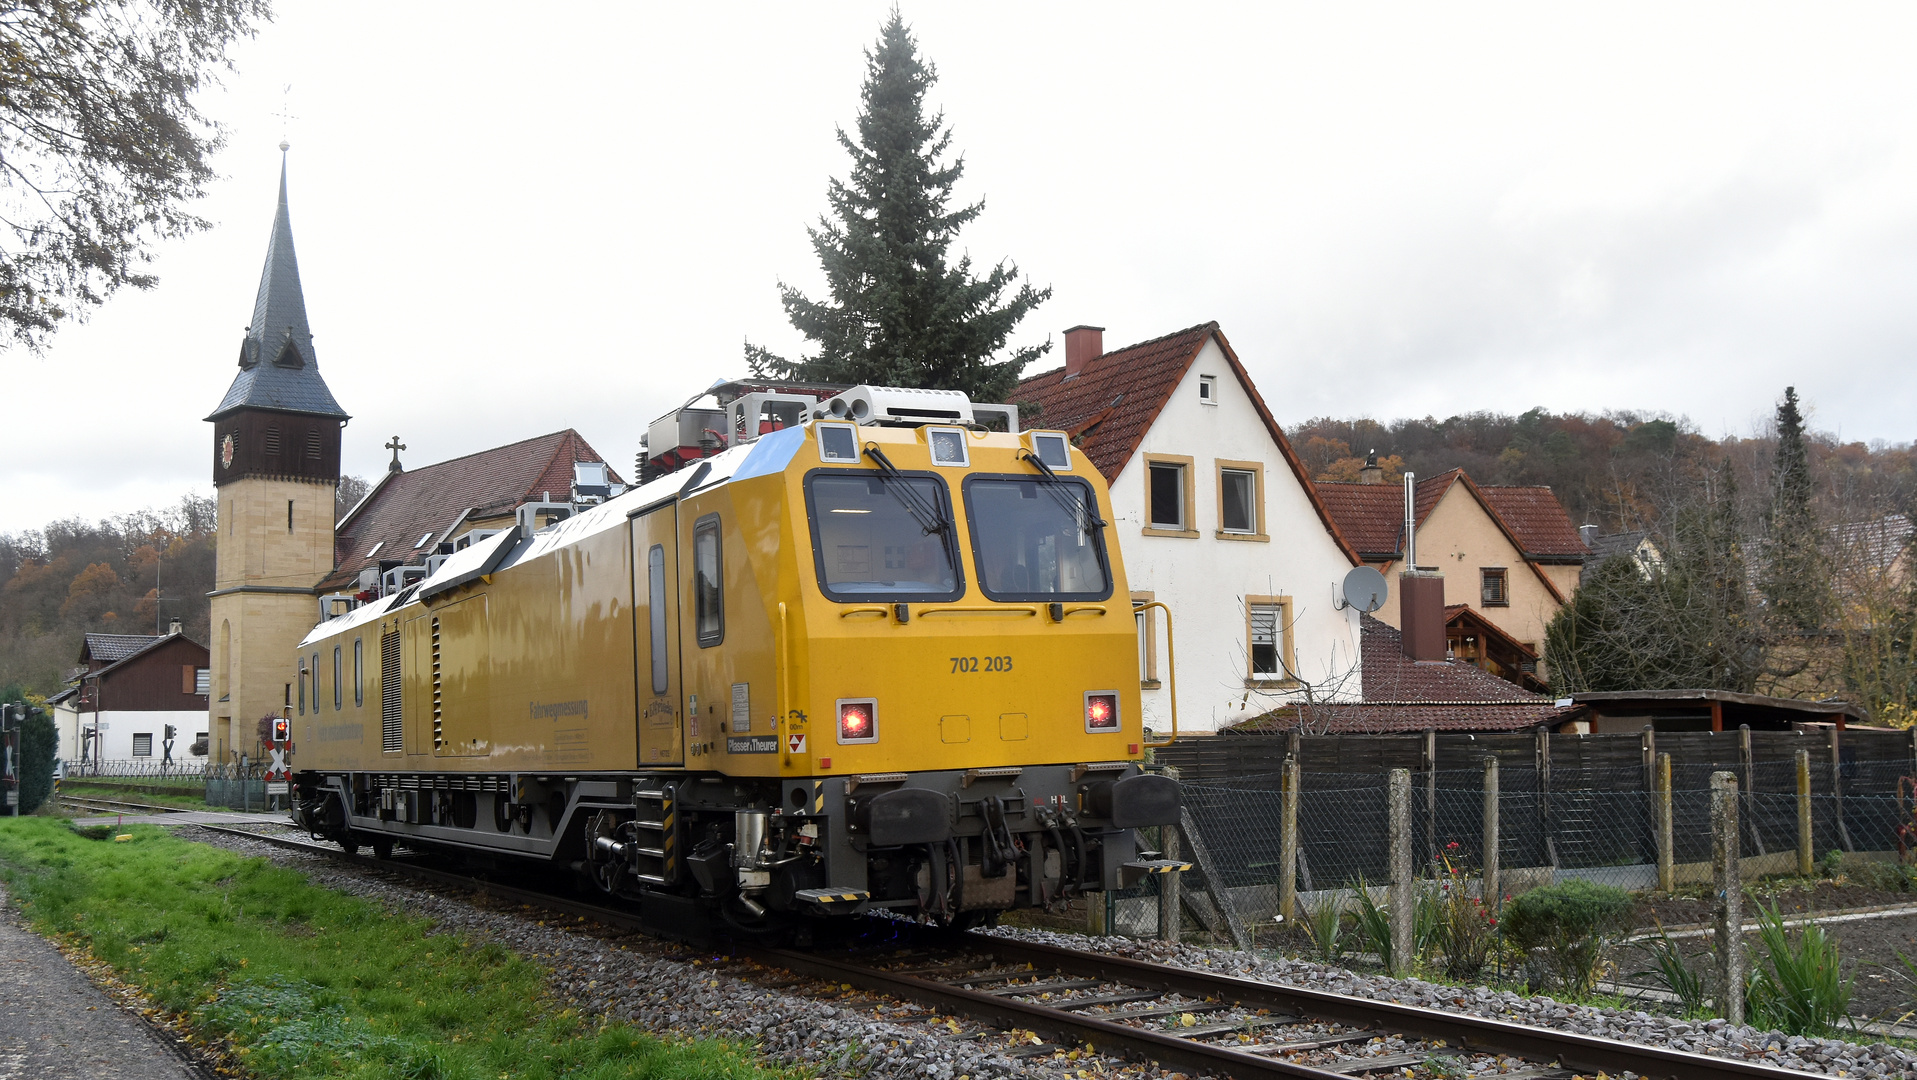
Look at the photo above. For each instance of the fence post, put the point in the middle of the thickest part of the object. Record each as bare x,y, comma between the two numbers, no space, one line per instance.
1544,801
1666,858
1288,845
1171,917
1837,790
1647,746
1749,786
1489,890
1431,797
1806,856
1727,920
1403,906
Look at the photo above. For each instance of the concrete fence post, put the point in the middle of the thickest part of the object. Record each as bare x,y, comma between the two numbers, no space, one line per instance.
1806,853
1490,891
1288,845
1666,860
1403,903
1171,918
1727,920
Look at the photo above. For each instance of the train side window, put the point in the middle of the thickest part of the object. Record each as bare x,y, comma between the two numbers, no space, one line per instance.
359,675
708,583
339,700
656,605
316,683
302,688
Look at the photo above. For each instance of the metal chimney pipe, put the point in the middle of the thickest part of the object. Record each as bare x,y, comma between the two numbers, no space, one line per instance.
1410,521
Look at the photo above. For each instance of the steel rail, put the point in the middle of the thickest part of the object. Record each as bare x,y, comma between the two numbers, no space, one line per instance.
1473,1034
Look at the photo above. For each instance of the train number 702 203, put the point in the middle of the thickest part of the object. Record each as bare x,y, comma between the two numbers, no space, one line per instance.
961,664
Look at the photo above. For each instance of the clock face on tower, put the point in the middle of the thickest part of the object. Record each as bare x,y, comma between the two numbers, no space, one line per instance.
226,451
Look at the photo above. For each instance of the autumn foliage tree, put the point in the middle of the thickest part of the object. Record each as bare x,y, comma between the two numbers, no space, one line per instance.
102,146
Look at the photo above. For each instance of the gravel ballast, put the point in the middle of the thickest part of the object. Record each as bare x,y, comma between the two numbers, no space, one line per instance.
669,988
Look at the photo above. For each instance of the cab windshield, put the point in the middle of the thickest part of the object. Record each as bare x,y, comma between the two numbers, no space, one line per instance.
1037,539
880,537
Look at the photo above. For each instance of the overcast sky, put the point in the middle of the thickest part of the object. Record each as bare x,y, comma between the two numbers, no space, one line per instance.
512,220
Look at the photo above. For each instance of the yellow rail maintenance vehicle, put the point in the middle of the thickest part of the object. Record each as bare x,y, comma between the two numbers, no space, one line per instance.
843,654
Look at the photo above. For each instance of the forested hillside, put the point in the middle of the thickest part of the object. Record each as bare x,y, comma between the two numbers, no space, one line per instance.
1621,471
129,574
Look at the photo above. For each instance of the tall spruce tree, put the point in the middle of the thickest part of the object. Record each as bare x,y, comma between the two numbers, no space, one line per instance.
898,313
1795,580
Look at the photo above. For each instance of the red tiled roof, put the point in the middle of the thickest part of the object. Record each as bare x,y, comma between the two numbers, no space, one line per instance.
407,505
1401,694
1538,520
1115,398
1372,515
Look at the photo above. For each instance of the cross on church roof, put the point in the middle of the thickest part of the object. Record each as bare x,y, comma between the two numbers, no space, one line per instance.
395,446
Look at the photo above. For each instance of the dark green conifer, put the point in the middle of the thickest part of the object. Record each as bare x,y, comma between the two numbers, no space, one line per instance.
898,314
1795,580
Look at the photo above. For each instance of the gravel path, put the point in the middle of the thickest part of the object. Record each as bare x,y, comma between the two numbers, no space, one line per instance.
57,1025
839,1032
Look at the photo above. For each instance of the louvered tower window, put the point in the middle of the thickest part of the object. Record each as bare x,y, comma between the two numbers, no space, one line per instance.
272,440
313,444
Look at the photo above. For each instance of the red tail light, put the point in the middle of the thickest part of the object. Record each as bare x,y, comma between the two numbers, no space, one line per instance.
1101,711
858,720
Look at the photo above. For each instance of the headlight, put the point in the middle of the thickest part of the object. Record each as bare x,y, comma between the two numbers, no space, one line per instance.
1101,710
858,720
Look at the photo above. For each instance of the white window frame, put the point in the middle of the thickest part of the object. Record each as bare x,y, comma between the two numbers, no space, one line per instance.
1208,389
1279,608
137,743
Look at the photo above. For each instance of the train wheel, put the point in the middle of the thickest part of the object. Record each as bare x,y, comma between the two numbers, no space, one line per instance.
601,867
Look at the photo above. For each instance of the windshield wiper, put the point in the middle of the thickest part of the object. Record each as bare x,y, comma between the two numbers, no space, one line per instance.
1074,504
901,488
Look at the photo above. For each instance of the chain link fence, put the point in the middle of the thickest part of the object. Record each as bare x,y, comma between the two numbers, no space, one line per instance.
1600,824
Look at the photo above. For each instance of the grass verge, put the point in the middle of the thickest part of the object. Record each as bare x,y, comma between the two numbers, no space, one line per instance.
302,982
194,799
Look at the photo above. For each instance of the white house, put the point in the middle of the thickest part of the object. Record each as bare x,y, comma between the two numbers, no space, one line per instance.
129,689
1216,518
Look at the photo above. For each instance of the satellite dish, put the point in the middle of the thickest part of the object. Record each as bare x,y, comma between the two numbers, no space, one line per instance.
1364,588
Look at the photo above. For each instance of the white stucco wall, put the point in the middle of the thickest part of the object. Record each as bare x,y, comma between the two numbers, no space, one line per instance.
116,744
1204,579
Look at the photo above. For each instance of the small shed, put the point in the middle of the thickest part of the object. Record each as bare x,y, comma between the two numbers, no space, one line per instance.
1706,710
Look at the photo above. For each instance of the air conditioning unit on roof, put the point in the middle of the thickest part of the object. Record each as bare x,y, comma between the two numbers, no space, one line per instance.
897,405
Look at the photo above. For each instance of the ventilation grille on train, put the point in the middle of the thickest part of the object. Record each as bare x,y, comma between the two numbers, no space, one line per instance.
389,737
439,735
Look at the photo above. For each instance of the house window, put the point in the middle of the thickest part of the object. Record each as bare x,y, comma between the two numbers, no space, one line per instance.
708,582
1147,641
143,744
289,515
1208,389
1241,500
202,680
1268,639
1493,587
1168,495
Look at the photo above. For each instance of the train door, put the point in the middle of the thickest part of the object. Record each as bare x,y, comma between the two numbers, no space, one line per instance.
655,572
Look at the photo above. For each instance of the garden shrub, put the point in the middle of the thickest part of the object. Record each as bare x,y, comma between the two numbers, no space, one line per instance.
1573,926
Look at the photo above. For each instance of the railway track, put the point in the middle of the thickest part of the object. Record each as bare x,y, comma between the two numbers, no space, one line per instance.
1064,999
117,806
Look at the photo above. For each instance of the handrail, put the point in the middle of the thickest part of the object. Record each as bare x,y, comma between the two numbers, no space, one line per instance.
1021,612
849,612
1096,609
1171,661
779,670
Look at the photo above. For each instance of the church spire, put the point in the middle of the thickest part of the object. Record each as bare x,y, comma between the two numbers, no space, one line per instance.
278,367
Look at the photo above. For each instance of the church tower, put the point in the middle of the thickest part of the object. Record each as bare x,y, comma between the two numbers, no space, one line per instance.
276,442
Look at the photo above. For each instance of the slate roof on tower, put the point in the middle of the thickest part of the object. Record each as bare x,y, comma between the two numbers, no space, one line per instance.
433,500
1109,405
278,368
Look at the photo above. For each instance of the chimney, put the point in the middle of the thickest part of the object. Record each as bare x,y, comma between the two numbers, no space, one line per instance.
1083,344
1371,473
1421,614
1588,534
173,627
